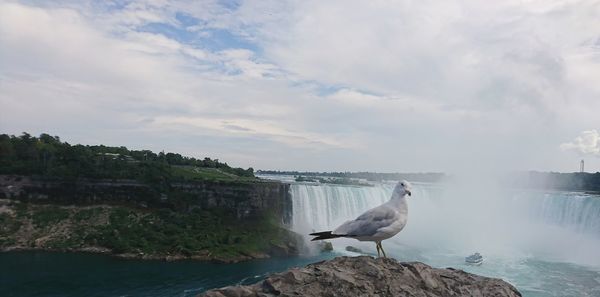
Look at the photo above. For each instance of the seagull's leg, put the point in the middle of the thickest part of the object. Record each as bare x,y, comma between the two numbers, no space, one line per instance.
381,247
377,246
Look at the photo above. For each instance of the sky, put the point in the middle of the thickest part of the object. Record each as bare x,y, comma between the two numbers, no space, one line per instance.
388,86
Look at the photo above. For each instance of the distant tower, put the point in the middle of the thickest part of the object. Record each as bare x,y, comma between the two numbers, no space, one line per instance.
581,166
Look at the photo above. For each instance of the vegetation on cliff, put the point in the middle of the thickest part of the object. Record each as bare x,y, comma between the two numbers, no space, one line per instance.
154,233
576,181
135,203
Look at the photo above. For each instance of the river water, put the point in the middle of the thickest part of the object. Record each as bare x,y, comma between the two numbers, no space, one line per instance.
70,274
544,243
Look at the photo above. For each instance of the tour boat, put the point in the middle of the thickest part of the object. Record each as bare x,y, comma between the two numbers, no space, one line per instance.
474,259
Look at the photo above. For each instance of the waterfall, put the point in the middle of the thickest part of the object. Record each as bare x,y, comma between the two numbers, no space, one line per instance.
322,207
459,219
578,211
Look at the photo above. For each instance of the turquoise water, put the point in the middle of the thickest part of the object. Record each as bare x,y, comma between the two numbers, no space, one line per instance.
547,244
533,276
29,274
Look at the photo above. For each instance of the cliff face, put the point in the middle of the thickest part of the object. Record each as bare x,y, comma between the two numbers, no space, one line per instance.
365,276
245,199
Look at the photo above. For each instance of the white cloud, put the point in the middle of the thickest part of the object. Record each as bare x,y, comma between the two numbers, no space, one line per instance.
246,127
335,85
471,53
587,143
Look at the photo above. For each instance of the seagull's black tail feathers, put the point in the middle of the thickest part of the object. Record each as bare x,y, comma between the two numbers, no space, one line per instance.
325,235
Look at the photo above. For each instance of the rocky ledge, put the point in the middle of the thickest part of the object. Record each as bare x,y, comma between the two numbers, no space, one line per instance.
366,276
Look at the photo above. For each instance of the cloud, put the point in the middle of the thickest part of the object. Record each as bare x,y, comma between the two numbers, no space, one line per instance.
335,85
587,143
474,54
245,127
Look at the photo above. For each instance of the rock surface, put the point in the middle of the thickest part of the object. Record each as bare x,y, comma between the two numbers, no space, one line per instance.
366,276
354,249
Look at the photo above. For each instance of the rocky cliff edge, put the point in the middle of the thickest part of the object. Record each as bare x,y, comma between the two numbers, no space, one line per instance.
366,276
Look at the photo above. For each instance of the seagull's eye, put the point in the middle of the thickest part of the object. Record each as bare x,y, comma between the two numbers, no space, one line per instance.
402,185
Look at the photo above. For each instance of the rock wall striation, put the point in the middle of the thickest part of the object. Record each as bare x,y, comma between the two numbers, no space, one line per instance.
245,199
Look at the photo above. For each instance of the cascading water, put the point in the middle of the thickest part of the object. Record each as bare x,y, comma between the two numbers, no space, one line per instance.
323,207
577,211
516,230
319,207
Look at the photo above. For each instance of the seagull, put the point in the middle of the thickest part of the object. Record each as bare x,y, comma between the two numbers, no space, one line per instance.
376,224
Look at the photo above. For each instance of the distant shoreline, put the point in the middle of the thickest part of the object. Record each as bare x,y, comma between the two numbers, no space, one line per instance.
575,181
367,176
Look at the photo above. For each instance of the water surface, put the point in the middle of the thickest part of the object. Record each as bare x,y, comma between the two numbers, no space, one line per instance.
48,274
547,244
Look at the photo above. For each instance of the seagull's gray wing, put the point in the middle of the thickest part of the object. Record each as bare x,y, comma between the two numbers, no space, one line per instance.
369,222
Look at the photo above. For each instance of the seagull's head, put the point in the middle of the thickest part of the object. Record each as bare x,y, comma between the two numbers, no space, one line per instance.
403,188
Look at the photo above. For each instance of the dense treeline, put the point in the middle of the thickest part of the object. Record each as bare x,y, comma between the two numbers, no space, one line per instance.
50,157
577,181
370,176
